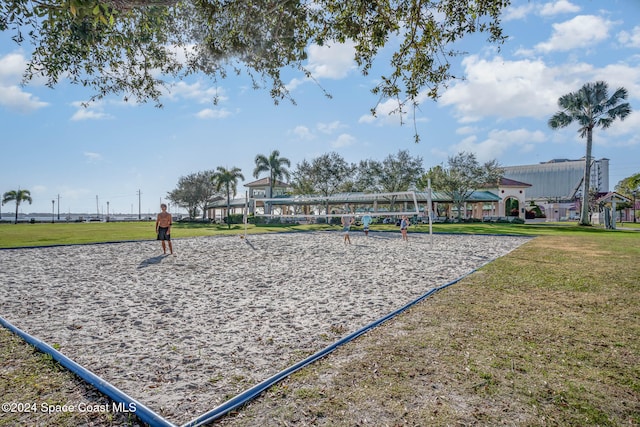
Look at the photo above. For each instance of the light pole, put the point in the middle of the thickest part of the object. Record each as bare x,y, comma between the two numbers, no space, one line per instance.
53,211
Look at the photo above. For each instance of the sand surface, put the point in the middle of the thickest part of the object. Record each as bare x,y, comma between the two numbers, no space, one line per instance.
184,333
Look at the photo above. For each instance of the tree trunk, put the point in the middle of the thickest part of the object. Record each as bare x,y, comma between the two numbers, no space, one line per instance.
584,212
267,206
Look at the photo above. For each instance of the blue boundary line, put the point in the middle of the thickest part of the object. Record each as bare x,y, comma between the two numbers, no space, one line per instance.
142,412
256,390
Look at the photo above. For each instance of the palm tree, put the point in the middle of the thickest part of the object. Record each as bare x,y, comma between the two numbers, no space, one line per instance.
227,178
275,165
17,196
590,107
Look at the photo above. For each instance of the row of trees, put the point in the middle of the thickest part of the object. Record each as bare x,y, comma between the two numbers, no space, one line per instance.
195,191
330,174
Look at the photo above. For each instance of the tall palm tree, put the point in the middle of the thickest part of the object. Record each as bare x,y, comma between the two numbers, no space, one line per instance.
275,165
590,107
227,178
18,196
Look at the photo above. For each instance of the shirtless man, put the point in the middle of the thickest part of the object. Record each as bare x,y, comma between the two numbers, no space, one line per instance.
163,228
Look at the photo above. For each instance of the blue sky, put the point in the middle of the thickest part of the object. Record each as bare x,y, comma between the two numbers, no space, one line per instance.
53,146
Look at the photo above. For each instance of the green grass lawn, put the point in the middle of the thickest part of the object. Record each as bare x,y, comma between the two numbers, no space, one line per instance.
43,234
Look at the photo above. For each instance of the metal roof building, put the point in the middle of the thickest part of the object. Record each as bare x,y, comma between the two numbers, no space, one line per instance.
559,179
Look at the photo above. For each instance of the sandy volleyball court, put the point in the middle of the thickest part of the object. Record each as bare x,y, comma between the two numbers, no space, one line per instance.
183,334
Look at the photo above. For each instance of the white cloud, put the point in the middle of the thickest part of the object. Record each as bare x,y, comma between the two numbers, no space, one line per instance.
333,61
617,75
622,133
630,39
86,114
92,157
466,130
513,13
12,96
527,88
209,113
196,92
330,128
580,32
502,88
12,67
343,140
558,7
387,113
302,132
553,8
498,142
90,111
294,83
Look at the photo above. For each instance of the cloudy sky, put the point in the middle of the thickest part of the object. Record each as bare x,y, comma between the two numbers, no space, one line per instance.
110,151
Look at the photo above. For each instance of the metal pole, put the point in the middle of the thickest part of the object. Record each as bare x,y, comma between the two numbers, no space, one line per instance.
246,212
53,210
429,202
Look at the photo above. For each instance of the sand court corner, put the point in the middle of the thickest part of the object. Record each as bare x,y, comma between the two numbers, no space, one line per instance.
182,334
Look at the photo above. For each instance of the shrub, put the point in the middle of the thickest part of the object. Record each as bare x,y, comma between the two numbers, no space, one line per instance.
234,219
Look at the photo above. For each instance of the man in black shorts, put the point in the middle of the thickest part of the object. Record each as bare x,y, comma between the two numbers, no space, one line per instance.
163,228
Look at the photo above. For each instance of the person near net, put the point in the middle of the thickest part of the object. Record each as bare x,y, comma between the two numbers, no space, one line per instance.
404,224
366,221
346,226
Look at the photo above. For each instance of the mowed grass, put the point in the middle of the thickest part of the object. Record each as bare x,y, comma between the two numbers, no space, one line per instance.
44,234
547,335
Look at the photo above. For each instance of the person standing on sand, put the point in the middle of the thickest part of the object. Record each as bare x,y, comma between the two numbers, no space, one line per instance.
404,224
346,226
366,220
163,228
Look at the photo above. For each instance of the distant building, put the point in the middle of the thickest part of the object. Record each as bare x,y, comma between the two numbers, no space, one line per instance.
513,196
260,189
557,185
559,179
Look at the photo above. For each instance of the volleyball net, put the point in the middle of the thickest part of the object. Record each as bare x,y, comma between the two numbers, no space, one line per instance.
312,208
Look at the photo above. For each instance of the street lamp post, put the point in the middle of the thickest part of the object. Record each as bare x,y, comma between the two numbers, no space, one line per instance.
53,211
